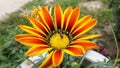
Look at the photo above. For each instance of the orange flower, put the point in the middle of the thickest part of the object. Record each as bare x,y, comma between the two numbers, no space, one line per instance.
63,35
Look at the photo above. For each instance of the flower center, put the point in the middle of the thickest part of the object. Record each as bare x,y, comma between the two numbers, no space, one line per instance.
59,41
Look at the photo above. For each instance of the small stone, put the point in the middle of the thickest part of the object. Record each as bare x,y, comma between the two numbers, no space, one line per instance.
92,5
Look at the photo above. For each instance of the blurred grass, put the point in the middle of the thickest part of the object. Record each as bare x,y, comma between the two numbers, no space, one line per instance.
12,53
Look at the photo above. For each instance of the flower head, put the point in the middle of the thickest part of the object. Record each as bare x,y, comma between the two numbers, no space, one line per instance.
60,34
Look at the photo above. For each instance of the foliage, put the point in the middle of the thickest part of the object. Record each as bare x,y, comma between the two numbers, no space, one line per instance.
100,65
11,22
32,3
65,3
10,51
115,5
103,15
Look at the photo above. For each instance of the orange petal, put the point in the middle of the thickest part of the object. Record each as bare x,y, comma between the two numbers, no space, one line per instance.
89,36
38,25
30,41
85,28
87,45
66,15
40,17
75,50
46,18
37,50
58,15
47,63
73,18
17,37
32,31
57,58
80,23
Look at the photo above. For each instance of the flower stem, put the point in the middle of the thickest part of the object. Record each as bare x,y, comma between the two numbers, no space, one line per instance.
80,63
116,43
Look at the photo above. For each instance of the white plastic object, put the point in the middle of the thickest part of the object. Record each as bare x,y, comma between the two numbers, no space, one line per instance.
35,59
94,56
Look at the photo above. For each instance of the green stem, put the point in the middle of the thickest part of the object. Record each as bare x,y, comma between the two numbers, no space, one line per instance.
80,63
116,44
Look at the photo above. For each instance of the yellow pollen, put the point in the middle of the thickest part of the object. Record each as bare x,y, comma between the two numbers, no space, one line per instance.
59,41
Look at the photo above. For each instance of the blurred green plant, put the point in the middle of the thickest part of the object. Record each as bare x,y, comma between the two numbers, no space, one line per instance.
12,21
65,3
115,5
32,3
11,52
100,65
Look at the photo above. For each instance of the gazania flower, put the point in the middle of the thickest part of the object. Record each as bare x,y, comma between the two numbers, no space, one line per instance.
60,34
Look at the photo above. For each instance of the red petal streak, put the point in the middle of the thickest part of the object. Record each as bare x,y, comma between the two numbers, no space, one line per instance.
37,50
31,41
17,37
66,15
58,15
47,17
32,31
38,25
87,45
75,50
73,18
90,36
81,23
57,58
84,29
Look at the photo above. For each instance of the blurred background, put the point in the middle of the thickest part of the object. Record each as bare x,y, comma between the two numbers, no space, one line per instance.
12,53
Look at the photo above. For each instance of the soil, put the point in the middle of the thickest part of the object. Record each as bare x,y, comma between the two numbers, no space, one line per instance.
8,6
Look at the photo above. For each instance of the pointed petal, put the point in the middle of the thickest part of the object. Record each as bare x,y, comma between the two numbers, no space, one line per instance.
47,63
87,45
89,36
31,31
58,15
66,15
46,18
80,23
73,18
85,28
38,25
57,58
37,50
30,41
75,50
41,18
17,37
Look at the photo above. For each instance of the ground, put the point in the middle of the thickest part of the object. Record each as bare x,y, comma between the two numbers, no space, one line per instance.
8,6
